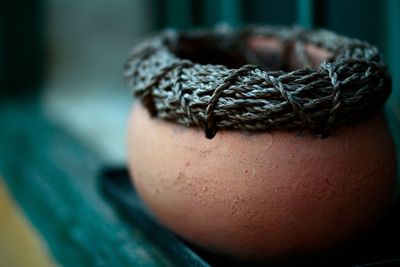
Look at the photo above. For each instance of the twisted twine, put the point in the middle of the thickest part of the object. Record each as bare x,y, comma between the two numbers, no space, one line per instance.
349,87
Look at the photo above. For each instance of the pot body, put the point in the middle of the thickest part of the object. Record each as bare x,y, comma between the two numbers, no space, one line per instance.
262,195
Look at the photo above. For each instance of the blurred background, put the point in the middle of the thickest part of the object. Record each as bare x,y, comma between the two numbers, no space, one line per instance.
71,52
64,102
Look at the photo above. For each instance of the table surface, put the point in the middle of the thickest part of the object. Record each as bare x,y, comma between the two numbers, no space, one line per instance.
53,178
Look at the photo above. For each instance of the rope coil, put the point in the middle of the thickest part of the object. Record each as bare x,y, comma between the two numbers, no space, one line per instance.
350,86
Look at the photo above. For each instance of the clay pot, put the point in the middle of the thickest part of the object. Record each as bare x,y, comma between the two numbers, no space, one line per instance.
262,195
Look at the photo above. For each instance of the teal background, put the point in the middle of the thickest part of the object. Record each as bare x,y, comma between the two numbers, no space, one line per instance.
24,44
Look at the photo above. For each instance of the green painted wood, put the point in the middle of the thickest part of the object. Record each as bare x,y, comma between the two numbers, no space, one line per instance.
282,12
392,8
178,14
310,13
305,11
222,11
363,19
159,18
54,179
231,12
393,44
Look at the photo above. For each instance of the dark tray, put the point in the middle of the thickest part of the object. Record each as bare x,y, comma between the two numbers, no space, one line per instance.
380,248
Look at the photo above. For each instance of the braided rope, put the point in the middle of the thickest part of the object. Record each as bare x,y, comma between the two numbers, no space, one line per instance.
349,87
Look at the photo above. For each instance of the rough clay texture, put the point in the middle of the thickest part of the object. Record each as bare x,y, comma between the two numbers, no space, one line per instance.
262,195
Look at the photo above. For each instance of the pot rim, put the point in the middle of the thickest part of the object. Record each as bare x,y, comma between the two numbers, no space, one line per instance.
349,86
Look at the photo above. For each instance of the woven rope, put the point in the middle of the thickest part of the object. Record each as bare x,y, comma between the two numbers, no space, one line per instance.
349,87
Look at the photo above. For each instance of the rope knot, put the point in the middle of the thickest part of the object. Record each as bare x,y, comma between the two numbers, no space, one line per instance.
210,123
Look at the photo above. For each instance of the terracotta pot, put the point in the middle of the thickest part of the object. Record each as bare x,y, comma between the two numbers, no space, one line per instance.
262,195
